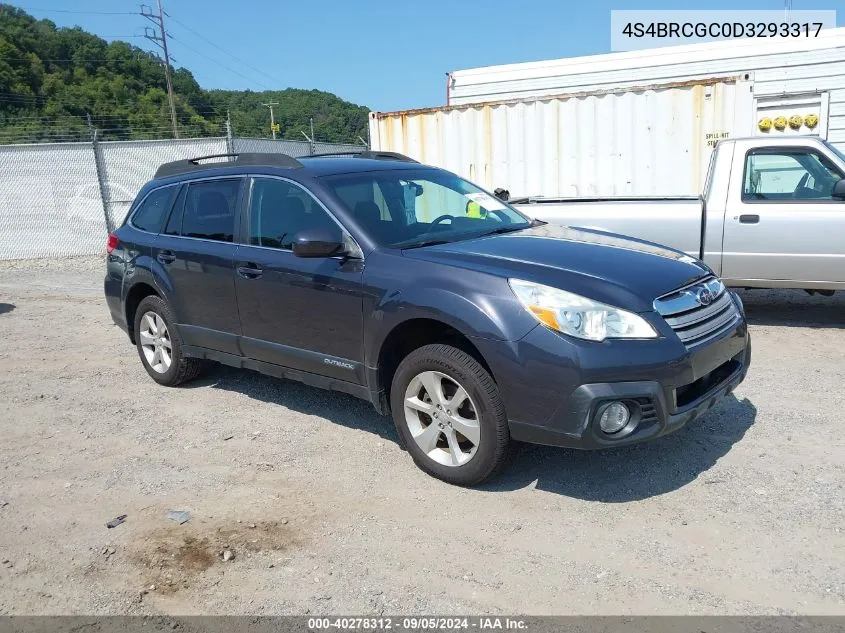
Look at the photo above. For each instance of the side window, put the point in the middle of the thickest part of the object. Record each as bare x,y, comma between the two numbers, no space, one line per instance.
174,222
152,211
788,175
365,194
279,210
210,210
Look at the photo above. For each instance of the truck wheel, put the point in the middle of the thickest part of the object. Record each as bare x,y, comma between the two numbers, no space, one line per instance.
449,415
160,346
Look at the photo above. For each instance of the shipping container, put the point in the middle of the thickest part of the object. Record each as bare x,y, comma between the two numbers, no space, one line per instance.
793,76
643,140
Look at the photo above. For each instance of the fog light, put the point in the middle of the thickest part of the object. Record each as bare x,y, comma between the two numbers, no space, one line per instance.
614,418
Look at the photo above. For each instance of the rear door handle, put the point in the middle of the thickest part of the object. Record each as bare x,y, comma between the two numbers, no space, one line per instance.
749,218
166,257
248,270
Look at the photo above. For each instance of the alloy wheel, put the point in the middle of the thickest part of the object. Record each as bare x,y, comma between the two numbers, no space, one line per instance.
442,418
155,342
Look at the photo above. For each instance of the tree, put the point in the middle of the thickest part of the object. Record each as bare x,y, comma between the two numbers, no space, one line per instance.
52,79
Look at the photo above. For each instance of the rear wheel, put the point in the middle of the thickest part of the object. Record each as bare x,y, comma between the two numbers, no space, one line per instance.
160,345
448,413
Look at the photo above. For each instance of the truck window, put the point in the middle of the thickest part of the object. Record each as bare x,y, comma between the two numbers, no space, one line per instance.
788,175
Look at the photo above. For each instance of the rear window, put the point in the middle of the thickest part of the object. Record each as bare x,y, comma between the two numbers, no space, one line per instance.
151,212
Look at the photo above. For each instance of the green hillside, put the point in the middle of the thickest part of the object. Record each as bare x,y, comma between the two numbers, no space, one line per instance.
52,78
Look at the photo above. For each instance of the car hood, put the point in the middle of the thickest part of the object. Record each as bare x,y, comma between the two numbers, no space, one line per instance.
622,271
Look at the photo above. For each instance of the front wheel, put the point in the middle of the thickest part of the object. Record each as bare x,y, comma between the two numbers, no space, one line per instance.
448,412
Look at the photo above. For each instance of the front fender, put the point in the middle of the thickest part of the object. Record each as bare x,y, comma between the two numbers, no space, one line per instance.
476,304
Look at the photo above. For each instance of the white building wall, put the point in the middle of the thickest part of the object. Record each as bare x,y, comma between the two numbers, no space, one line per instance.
777,67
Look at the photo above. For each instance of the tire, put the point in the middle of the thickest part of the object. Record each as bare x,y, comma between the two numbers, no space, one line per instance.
435,440
180,368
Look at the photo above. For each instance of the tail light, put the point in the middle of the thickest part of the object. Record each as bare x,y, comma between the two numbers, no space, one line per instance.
112,243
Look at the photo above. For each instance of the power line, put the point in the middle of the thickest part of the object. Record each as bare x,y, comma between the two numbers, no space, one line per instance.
222,50
115,37
24,101
117,59
78,12
211,59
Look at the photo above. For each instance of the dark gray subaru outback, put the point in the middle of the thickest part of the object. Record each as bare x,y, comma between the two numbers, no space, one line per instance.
405,285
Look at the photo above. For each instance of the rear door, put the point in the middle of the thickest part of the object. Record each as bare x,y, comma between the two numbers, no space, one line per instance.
303,313
781,221
196,253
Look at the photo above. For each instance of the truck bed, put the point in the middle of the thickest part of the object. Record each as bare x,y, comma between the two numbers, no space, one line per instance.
672,221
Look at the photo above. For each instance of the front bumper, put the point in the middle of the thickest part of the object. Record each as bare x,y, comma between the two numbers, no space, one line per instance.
554,386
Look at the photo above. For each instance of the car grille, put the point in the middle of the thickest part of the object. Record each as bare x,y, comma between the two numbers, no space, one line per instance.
693,317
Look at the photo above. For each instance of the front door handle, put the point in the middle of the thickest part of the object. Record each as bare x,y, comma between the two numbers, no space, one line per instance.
166,257
750,218
248,270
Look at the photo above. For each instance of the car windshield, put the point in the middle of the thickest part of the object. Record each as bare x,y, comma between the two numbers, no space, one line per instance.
419,207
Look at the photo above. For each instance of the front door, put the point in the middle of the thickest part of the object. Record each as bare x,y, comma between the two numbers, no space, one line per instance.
782,222
196,251
302,313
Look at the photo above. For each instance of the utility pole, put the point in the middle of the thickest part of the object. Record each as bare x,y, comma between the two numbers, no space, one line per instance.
230,145
311,146
272,120
160,39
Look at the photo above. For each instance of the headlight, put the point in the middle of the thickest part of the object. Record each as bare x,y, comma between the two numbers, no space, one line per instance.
578,316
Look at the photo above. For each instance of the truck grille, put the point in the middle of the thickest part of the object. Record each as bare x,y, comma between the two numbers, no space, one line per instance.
699,312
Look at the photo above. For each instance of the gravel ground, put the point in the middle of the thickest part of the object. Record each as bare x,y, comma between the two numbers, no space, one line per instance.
742,513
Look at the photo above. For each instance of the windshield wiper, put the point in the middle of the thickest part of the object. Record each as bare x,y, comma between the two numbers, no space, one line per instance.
506,229
421,244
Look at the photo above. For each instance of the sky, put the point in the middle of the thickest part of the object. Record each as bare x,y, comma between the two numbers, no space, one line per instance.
384,54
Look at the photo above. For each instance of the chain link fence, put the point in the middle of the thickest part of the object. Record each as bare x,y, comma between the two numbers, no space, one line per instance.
297,149
62,199
128,165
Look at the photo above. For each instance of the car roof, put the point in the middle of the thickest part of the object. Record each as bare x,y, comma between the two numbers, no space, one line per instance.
282,165
331,166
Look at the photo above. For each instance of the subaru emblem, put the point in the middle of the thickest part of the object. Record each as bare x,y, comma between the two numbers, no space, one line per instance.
704,296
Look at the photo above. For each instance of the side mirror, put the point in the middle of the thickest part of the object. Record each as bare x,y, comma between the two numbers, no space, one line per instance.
318,243
502,194
839,189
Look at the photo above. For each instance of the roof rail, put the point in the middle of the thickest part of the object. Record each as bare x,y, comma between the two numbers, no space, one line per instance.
185,166
372,155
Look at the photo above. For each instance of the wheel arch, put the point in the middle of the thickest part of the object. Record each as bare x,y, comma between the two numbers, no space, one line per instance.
137,293
409,335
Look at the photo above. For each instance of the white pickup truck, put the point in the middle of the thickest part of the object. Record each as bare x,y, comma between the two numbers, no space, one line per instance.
772,214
